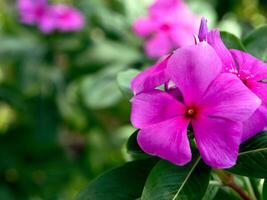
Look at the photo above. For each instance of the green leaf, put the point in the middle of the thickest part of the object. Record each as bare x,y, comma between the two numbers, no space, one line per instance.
134,149
255,42
252,159
124,81
264,190
100,90
169,182
211,192
123,183
231,41
225,193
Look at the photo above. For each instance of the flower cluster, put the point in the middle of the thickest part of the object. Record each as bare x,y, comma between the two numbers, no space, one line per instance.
169,25
219,93
48,17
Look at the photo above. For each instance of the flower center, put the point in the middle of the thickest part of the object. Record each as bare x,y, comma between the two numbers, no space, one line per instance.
165,27
190,112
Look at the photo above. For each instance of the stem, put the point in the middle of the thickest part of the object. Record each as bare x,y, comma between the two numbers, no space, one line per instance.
228,180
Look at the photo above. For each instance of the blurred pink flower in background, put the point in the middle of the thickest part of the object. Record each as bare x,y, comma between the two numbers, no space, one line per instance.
63,18
31,11
50,18
169,25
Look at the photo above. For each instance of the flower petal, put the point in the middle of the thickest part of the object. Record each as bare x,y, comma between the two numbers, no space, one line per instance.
260,89
153,107
255,124
229,98
144,26
214,39
249,66
159,45
192,69
168,140
182,36
151,77
218,140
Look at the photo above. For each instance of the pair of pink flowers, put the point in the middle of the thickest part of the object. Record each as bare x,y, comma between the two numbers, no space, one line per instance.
219,92
48,17
170,24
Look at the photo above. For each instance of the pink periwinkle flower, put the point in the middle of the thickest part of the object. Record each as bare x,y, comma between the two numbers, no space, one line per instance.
31,11
63,18
249,69
50,18
169,25
214,103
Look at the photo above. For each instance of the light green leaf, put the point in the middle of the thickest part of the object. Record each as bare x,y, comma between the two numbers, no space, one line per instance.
124,81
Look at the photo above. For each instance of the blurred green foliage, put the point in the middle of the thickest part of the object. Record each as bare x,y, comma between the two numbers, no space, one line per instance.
64,117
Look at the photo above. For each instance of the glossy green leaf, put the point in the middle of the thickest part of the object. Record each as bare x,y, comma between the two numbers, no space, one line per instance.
211,192
132,145
169,182
124,81
264,190
252,159
255,42
123,183
231,41
225,193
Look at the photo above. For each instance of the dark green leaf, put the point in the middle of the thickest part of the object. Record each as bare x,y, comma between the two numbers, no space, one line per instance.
252,159
134,149
255,42
225,193
123,183
264,190
231,41
169,182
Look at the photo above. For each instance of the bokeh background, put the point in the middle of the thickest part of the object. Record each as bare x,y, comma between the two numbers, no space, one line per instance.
63,117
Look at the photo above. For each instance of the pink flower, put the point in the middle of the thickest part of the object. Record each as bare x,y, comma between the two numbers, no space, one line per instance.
31,11
208,99
151,77
170,25
63,18
50,17
249,69
252,72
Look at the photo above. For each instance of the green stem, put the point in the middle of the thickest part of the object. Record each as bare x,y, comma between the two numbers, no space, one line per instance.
228,180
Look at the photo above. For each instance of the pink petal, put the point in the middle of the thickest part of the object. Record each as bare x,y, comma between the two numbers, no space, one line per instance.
192,69
150,78
218,140
168,140
260,89
144,26
182,36
161,6
249,66
67,18
228,97
214,39
159,45
153,107
255,124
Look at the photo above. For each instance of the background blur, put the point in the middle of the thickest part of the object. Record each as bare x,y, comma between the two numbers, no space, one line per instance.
63,118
